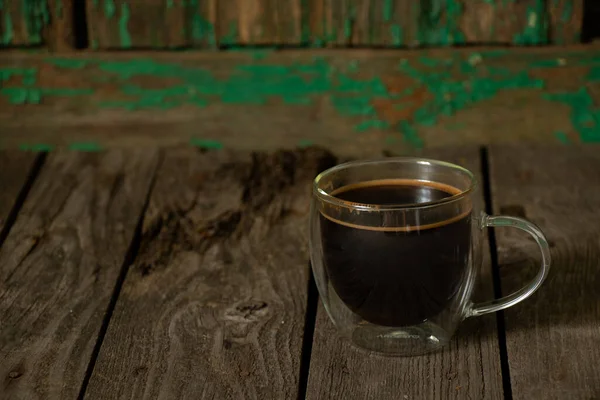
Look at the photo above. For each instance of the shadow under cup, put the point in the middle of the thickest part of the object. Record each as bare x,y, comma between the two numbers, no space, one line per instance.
392,256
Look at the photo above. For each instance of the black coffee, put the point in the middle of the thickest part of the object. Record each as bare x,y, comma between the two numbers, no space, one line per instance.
399,277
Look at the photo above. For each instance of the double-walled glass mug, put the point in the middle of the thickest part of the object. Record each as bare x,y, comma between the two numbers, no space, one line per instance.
395,247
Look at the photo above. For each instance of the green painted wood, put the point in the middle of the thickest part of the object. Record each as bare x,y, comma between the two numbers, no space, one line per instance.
347,99
321,23
566,18
24,22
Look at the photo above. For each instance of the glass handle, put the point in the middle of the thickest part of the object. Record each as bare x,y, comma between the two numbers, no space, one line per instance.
529,289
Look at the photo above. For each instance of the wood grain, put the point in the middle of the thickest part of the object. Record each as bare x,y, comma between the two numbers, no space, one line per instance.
505,22
391,23
59,266
214,305
141,24
15,167
33,23
468,368
117,99
553,338
565,20
61,35
267,22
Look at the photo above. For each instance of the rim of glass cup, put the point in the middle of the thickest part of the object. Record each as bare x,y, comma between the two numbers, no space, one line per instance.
323,195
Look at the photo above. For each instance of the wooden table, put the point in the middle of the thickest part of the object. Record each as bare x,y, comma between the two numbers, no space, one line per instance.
181,273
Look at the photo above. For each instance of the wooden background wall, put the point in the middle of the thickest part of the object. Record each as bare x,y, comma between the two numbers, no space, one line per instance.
163,24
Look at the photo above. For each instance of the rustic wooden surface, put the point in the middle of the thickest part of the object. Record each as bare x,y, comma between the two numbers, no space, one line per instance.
565,21
59,266
61,34
389,23
214,304
198,23
15,168
354,101
140,24
469,368
506,22
31,22
553,338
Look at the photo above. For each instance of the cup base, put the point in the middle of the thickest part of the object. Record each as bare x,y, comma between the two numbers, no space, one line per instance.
414,340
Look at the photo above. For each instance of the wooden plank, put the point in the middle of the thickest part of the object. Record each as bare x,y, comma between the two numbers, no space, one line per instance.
357,101
15,167
61,36
468,368
59,266
199,23
364,22
141,24
552,339
566,20
214,305
260,22
36,22
505,22
440,23
202,27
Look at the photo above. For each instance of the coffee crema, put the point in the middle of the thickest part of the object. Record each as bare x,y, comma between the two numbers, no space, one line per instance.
396,275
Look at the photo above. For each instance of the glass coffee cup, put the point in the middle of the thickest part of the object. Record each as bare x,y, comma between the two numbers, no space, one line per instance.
395,248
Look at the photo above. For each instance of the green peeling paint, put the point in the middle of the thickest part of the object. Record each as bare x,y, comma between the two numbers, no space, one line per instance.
585,117
304,143
110,9
371,124
439,22
536,28
567,13
396,31
594,74
206,143
38,147
67,63
231,37
28,93
7,36
257,54
201,29
123,29
451,94
170,3
562,137
451,85
36,16
388,9
59,8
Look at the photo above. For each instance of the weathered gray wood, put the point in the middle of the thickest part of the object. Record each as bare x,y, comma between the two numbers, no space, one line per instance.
214,305
553,338
59,266
14,169
469,368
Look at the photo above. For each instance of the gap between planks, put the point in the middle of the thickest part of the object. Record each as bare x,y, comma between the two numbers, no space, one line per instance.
20,200
129,259
500,324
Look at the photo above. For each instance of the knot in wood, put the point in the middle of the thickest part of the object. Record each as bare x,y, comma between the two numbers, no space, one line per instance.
248,311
